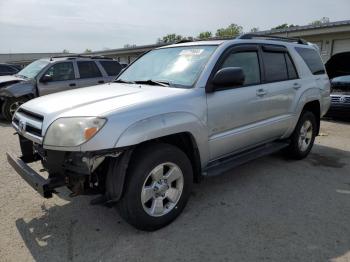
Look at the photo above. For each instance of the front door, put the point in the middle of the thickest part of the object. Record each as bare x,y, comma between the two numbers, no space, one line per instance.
233,113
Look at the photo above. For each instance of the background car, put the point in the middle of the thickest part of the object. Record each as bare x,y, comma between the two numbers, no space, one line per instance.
51,75
7,69
340,94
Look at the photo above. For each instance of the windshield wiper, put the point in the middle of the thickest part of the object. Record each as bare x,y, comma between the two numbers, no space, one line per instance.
21,76
153,82
123,81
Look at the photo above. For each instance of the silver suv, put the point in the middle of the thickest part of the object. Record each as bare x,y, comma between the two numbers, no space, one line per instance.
175,115
51,75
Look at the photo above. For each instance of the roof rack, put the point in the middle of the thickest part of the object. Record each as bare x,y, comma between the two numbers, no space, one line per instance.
81,56
276,38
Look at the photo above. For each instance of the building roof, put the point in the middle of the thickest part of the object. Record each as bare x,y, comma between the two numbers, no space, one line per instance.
306,27
25,57
139,48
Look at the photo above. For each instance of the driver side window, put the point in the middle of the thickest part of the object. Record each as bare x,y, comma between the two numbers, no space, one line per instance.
61,71
249,63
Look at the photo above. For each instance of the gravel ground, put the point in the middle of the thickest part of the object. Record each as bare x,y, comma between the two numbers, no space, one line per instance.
271,209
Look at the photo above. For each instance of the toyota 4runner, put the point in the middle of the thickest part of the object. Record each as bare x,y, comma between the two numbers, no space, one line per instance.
176,114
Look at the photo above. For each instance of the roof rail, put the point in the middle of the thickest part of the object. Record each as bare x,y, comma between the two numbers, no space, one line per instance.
81,56
271,37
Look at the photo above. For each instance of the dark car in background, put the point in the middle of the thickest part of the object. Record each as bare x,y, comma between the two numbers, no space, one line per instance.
51,75
8,69
340,95
338,70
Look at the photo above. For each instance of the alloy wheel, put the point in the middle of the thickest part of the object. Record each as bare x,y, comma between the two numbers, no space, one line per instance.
162,189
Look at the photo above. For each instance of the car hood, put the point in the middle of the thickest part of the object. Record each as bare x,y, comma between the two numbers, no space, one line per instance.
11,79
100,100
341,80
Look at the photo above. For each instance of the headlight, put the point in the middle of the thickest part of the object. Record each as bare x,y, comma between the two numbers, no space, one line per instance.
72,131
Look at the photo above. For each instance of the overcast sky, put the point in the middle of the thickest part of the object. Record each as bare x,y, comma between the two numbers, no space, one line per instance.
49,26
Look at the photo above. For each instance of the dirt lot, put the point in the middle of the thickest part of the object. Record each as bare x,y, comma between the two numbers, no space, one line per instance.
271,209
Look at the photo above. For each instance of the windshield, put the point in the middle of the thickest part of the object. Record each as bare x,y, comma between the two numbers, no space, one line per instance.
345,78
176,66
31,70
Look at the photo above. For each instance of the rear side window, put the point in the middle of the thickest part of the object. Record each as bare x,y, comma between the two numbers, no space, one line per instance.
275,66
312,59
249,63
88,69
292,72
112,68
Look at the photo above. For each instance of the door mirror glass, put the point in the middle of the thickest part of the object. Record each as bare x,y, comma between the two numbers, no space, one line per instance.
46,78
228,77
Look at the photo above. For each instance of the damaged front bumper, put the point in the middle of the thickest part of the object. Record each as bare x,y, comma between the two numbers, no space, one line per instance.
45,187
81,172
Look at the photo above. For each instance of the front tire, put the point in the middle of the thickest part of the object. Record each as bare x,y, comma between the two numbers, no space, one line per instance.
303,136
158,186
10,105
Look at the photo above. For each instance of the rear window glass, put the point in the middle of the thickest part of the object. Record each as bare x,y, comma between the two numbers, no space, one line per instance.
112,68
275,66
312,59
88,69
292,73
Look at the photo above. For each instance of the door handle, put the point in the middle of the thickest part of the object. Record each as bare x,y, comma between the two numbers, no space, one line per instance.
72,84
296,86
261,92
101,82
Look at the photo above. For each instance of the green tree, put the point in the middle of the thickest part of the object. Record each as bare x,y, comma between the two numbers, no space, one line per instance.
323,20
87,50
254,30
282,26
170,38
205,35
65,51
230,31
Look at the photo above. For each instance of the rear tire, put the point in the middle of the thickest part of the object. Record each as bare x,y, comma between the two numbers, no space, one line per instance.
303,136
158,186
10,105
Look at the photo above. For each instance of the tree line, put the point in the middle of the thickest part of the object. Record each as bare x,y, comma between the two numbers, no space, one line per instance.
230,31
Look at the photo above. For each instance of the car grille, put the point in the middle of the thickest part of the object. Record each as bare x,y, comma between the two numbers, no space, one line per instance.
28,123
340,99
31,114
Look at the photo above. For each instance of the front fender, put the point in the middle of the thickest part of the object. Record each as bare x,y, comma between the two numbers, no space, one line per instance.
18,89
164,125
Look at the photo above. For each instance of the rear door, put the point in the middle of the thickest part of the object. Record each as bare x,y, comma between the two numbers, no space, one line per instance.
111,68
89,74
62,78
278,91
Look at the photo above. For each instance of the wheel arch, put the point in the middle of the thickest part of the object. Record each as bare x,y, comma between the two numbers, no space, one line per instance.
184,141
314,107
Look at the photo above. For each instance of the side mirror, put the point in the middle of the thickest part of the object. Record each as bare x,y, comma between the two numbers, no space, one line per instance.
46,78
226,78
